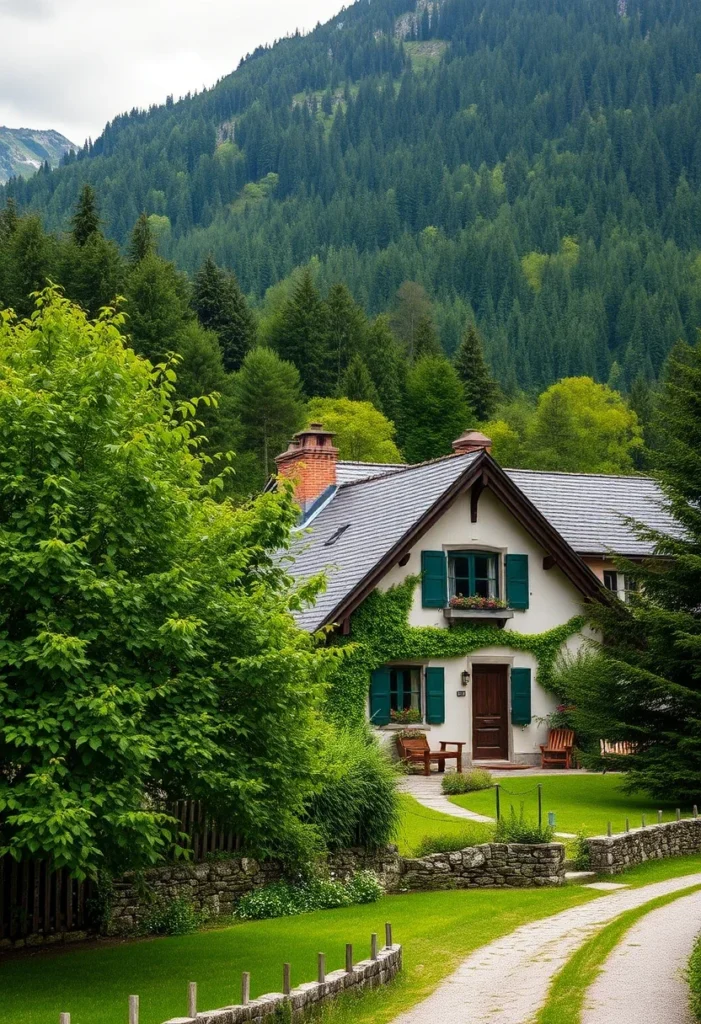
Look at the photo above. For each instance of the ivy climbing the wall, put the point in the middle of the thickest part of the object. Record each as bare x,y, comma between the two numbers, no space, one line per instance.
380,633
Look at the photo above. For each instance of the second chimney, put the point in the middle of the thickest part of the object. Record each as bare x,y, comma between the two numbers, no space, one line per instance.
472,441
310,461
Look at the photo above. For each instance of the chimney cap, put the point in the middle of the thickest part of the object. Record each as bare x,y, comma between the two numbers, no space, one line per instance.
315,428
472,441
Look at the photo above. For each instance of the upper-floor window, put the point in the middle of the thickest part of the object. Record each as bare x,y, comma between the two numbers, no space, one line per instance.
473,574
619,583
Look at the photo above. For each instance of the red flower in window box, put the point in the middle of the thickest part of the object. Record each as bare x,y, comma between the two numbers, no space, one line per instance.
480,604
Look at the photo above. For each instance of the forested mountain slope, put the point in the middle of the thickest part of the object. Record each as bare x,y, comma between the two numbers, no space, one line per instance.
534,162
24,150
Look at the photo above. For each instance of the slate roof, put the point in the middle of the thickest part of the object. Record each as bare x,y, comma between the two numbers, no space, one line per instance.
373,515
589,509
349,472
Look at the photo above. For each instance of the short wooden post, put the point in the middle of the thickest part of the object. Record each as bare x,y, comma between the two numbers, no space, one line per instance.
696,811
627,824
245,988
659,817
133,1010
64,1018
192,999
609,830
373,946
349,958
321,974
286,979
497,790
388,935
679,814
643,825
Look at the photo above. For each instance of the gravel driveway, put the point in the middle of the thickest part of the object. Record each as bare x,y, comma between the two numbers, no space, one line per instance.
507,981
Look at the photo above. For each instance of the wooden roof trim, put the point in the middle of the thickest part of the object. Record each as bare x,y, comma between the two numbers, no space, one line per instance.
566,558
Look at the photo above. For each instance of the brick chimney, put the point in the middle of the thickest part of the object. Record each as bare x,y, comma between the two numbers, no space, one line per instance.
472,441
310,461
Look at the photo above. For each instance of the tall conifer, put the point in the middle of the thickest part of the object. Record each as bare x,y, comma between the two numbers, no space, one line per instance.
481,390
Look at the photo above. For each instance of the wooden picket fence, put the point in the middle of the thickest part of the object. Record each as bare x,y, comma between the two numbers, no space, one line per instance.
36,900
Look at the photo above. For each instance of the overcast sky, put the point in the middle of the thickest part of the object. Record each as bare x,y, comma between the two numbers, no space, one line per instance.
72,65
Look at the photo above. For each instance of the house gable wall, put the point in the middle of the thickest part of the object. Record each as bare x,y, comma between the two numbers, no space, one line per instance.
554,601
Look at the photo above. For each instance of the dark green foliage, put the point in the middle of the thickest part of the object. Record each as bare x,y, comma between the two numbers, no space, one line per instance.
540,122
286,899
456,783
435,410
644,684
269,402
92,273
86,221
156,307
481,390
142,243
357,384
172,915
694,976
303,338
388,368
426,342
346,330
357,801
459,838
221,307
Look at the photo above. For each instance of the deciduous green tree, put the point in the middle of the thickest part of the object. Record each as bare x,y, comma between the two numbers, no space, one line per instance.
147,650
362,433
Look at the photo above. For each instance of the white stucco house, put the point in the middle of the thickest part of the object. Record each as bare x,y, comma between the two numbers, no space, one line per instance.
531,548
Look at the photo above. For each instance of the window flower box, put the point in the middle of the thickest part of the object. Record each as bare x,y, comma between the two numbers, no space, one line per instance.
481,604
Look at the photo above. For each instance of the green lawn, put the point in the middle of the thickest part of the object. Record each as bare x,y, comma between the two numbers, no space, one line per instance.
417,821
437,930
581,802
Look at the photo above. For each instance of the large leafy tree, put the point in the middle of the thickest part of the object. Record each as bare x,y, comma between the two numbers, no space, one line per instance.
147,651
581,426
643,684
362,433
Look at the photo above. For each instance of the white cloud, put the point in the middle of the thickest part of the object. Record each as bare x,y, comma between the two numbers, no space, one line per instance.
74,65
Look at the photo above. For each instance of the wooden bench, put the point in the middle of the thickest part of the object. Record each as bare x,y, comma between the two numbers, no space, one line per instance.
557,752
621,748
417,751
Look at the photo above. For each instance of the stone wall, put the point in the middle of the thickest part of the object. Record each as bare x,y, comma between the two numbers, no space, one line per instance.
612,854
215,886
365,975
494,865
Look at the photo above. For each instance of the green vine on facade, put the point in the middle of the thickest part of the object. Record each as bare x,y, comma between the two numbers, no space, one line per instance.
380,633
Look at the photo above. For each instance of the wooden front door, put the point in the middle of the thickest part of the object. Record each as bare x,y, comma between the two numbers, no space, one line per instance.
490,713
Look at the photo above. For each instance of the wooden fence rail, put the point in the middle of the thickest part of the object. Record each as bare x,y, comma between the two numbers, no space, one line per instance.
36,900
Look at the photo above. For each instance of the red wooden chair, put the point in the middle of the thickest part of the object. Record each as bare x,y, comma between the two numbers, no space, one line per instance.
417,751
557,752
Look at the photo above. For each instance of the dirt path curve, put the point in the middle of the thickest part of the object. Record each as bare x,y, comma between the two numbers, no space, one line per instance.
643,978
507,981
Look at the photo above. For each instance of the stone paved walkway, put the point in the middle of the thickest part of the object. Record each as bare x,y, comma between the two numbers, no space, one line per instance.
506,982
427,790
643,978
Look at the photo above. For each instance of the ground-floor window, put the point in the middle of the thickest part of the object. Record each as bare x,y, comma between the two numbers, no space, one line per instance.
405,688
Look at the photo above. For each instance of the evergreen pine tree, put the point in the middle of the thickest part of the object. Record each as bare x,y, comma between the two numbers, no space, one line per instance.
347,327
387,364
426,341
303,338
142,243
435,411
269,404
643,684
221,307
357,384
86,221
481,390
156,306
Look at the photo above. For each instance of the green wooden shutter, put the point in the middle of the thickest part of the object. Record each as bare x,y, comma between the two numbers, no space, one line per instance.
521,696
434,579
435,696
379,697
517,586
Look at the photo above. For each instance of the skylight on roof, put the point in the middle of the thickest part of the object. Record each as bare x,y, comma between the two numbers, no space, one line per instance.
334,538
